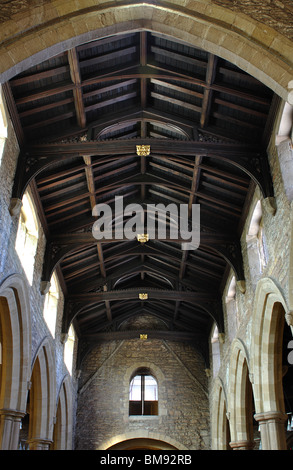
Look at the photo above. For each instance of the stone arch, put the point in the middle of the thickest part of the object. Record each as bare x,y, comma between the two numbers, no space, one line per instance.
16,327
153,368
268,320
153,438
62,436
240,402
42,398
268,298
235,37
15,339
220,428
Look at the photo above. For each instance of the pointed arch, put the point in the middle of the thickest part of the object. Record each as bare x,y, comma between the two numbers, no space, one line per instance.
62,436
160,440
42,397
240,397
268,318
220,427
15,337
211,27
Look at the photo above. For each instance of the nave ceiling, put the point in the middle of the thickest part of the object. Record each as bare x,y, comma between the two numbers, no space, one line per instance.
79,118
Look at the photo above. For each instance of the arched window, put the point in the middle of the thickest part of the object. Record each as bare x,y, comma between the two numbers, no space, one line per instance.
284,139
51,304
143,394
69,349
231,309
256,244
27,237
216,358
3,126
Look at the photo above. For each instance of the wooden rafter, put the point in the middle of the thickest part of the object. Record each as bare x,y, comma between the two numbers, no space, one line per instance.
78,118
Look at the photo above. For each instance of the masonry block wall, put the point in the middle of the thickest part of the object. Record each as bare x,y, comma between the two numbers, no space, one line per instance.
103,398
10,263
278,232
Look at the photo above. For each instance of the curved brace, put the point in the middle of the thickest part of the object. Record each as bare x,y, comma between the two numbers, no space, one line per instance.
71,309
29,167
256,166
232,253
54,254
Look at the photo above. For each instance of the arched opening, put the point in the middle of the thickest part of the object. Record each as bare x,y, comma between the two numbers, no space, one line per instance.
41,402
216,352
256,244
231,309
285,148
15,359
287,382
244,429
143,394
27,236
3,126
142,444
69,350
51,304
62,435
268,371
221,436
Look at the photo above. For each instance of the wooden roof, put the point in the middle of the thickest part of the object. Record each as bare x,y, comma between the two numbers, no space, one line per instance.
79,117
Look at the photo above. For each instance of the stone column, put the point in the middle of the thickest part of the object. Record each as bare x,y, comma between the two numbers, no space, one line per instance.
9,429
272,430
39,444
242,445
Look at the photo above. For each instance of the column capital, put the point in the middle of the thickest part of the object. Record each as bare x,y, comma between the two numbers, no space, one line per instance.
266,416
242,445
39,443
12,414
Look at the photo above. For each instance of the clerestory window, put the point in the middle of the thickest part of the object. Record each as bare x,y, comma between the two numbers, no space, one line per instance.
143,395
256,244
51,304
27,237
3,126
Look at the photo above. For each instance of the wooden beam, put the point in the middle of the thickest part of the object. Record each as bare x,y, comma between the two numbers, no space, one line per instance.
91,188
207,98
89,239
12,109
77,92
160,146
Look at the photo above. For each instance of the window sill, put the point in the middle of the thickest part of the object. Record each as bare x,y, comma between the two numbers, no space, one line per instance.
139,417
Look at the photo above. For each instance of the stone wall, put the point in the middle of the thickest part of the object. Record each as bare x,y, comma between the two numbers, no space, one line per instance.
10,263
103,398
277,228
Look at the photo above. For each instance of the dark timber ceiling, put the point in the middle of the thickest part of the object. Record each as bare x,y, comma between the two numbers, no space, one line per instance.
79,117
